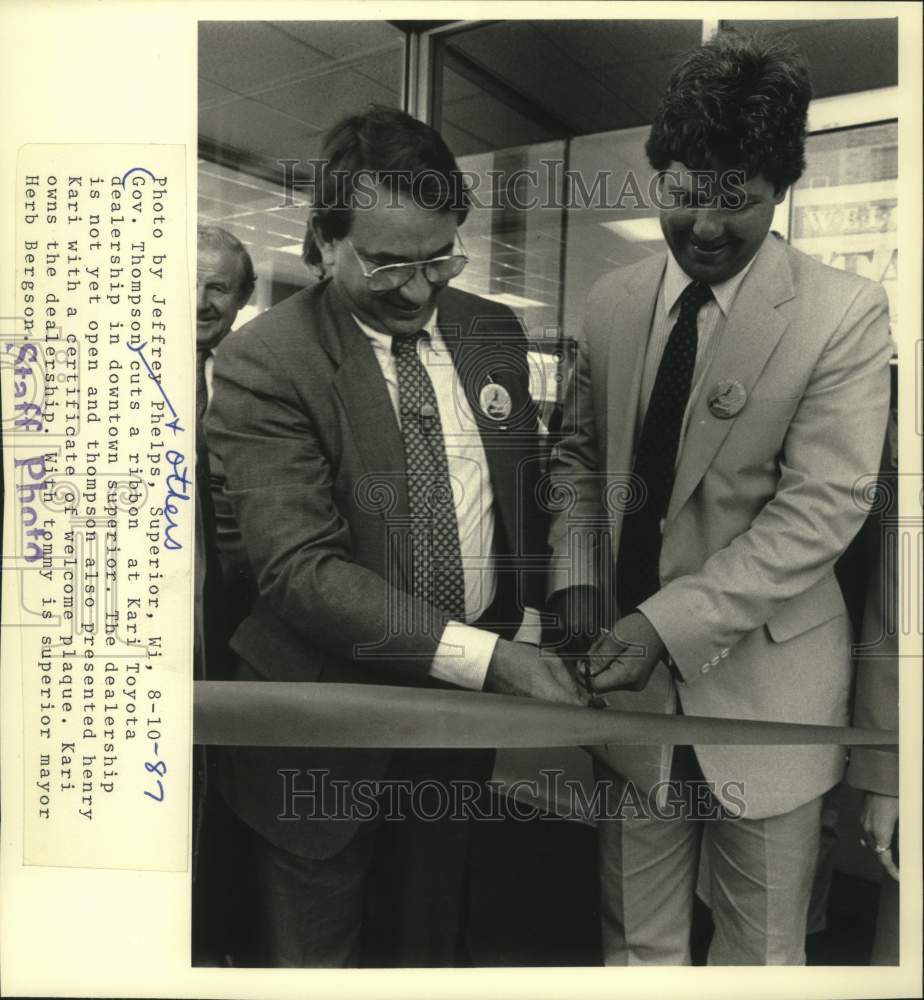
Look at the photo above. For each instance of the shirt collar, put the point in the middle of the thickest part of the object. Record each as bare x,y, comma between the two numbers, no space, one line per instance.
382,341
676,280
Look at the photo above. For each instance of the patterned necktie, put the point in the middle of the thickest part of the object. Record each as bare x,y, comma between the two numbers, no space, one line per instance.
656,456
437,556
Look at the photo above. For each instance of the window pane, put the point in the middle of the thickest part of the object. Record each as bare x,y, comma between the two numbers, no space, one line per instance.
513,237
611,231
544,97
516,82
845,206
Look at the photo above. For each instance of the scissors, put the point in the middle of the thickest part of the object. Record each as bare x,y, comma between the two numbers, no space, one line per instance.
587,680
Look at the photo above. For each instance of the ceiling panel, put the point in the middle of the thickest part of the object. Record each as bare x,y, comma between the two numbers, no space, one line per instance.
269,90
845,56
342,39
212,94
243,55
326,98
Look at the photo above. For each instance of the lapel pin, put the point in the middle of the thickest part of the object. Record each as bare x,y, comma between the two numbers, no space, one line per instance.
726,399
495,401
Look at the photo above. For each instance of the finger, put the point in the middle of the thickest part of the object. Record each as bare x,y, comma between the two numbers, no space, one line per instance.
602,657
550,691
564,687
881,834
584,677
568,684
606,646
885,859
617,676
598,668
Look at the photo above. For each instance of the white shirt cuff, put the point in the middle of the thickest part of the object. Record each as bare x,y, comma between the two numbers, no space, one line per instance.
530,629
463,656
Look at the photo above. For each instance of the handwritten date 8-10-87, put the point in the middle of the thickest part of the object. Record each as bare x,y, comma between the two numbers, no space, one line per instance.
157,768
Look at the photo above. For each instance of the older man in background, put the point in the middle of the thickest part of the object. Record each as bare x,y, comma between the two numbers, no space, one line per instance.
225,281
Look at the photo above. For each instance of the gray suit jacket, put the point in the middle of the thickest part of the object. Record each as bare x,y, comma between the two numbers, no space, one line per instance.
307,438
763,505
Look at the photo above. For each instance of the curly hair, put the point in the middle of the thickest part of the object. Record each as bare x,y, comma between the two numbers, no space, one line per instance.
739,101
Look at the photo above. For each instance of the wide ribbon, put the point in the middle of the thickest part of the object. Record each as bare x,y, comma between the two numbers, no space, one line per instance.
285,714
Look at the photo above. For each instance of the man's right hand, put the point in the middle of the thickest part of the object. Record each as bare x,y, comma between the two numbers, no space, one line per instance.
521,669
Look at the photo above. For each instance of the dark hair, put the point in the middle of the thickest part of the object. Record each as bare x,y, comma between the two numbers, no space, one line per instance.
218,239
311,254
739,101
387,147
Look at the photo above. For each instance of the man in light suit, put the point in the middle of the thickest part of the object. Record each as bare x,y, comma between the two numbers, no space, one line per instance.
727,397
341,417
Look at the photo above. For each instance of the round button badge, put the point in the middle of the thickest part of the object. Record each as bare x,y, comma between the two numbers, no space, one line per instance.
495,401
726,399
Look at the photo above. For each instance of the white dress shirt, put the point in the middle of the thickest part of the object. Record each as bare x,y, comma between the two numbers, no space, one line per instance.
710,324
209,368
464,652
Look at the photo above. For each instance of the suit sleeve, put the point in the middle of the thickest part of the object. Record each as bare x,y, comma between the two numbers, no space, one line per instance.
575,495
279,481
833,441
875,704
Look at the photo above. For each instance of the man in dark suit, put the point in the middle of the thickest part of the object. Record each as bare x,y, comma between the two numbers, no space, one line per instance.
389,516
225,281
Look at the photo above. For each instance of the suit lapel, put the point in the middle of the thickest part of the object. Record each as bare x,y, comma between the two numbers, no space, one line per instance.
632,316
471,349
751,332
359,383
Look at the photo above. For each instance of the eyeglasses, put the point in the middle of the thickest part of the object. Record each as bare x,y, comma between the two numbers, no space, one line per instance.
437,270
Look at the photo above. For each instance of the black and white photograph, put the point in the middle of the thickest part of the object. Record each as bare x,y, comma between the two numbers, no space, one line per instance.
461,499
546,475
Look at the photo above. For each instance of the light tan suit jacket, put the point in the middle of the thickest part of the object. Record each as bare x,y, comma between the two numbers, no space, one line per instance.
763,505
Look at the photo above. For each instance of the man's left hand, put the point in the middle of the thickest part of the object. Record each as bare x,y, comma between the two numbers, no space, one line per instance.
624,658
878,819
